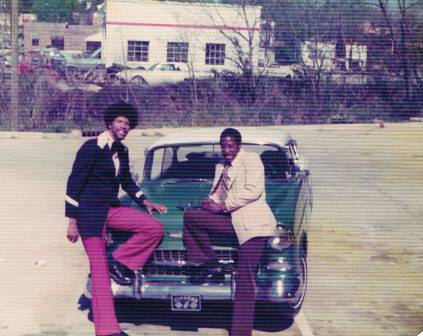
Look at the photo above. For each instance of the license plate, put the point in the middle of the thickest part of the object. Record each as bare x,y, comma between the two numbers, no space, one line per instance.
186,302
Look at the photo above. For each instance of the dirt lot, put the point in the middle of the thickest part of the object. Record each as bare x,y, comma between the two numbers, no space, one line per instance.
366,237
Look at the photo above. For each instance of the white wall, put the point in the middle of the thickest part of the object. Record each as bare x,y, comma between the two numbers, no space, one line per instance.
320,53
356,52
162,22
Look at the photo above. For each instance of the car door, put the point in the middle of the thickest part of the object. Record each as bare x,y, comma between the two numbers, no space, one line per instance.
170,74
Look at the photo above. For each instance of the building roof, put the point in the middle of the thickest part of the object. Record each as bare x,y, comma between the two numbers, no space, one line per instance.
256,135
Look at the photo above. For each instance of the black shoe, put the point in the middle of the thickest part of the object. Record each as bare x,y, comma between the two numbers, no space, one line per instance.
84,303
120,273
121,333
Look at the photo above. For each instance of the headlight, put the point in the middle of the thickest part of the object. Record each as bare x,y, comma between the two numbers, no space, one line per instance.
280,265
282,238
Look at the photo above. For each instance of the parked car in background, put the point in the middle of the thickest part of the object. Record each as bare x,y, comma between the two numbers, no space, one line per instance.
33,59
178,172
29,62
76,62
161,73
5,67
114,69
5,60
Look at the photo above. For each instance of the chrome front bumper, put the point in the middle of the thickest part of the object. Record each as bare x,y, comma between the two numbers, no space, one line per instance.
160,288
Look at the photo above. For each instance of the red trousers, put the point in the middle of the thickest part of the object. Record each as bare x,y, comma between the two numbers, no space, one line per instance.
134,253
199,226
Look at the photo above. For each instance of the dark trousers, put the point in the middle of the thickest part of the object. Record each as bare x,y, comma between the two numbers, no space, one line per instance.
199,227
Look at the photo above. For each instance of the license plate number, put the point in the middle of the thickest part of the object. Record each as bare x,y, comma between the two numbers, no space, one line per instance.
186,302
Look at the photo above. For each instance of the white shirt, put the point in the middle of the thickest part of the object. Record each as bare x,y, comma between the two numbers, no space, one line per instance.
104,139
107,138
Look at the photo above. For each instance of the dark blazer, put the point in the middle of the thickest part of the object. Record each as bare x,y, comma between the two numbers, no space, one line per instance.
93,188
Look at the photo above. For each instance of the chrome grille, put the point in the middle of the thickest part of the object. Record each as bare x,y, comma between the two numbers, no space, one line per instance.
173,262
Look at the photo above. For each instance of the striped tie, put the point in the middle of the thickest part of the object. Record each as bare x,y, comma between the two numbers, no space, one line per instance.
222,190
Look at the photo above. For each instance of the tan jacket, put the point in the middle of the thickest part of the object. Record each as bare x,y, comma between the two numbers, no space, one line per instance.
251,215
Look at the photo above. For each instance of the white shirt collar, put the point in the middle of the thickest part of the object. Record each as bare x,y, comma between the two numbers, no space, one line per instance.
237,159
104,139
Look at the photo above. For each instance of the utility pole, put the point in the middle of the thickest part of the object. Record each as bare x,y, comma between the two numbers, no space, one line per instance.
3,23
14,94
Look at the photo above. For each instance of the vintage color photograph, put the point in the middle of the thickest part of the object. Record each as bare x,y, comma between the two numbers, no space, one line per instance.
211,167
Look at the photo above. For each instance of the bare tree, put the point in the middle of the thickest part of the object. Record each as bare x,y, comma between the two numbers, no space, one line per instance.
244,41
311,26
401,18
314,35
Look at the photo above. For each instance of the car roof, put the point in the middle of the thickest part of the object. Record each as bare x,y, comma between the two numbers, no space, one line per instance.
255,135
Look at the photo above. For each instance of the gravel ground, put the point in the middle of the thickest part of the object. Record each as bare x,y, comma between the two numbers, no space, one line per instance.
365,253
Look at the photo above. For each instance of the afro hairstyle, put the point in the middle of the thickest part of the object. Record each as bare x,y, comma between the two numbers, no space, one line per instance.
121,109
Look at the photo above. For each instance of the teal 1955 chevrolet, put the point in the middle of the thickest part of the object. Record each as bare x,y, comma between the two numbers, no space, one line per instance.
178,172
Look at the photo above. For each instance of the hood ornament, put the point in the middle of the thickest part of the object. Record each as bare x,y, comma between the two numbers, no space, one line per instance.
189,205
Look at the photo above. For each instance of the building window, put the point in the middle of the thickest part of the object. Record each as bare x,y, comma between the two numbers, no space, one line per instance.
138,51
58,42
177,52
215,54
92,46
35,40
286,55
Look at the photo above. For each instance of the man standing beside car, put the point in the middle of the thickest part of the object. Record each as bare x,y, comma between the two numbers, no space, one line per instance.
235,209
100,167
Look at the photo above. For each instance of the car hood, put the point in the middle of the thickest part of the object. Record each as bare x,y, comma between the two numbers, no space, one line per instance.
177,195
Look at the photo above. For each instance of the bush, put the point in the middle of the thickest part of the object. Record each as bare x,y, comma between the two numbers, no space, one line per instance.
221,101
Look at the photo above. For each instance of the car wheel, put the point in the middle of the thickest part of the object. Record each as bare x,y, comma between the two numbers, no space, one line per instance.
138,80
113,79
71,71
295,307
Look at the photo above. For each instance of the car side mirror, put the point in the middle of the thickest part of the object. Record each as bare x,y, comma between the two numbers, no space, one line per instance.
304,172
296,169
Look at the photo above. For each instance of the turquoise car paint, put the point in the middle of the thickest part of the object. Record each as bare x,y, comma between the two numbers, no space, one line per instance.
282,274
178,194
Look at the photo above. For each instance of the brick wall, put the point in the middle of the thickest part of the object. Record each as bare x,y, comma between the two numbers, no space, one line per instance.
74,36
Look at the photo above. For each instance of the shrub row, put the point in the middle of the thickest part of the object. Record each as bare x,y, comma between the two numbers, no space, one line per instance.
49,106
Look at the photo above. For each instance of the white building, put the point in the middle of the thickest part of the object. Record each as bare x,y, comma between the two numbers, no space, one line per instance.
204,36
325,56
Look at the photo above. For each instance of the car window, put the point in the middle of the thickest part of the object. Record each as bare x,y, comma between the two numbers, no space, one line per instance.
185,162
199,161
156,167
167,67
185,153
153,67
277,163
162,160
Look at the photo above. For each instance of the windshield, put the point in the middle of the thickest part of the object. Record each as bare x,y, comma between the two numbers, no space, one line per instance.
198,161
154,66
